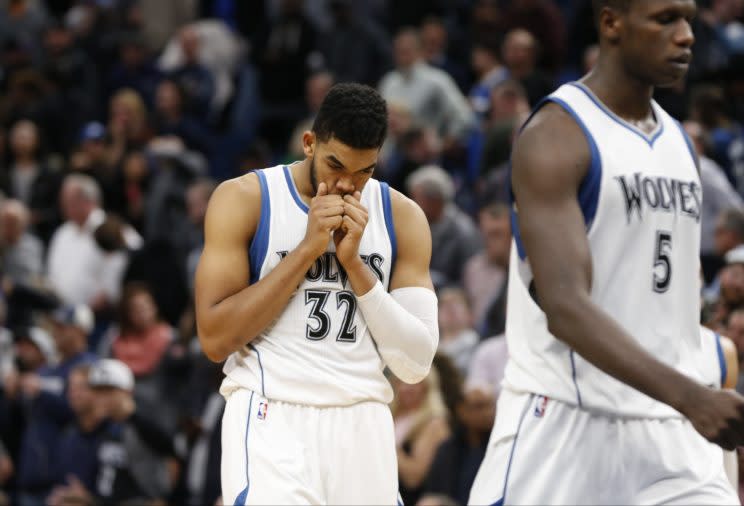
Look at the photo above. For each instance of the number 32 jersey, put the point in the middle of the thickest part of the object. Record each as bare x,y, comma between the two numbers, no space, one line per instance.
641,201
318,351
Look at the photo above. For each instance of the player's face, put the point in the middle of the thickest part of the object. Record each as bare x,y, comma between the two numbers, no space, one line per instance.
655,40
342,168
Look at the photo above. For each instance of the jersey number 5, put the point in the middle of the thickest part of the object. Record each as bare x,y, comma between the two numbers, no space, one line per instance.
662,262
321,325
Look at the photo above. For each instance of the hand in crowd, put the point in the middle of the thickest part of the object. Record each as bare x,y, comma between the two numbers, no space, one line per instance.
72,493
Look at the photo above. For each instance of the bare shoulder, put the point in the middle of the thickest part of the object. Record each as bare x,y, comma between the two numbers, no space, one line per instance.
406,212
552,148
235,207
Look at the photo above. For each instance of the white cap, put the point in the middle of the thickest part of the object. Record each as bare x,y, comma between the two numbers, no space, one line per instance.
79,316
109,372
736,255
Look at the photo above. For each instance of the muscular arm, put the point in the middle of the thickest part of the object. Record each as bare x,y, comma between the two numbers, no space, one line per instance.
547,172
403,322
229,312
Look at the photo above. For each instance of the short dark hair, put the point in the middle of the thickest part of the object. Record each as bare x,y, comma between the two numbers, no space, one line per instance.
353,113
621,5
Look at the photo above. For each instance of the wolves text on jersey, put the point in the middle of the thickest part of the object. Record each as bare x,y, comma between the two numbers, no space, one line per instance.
660,194
328,269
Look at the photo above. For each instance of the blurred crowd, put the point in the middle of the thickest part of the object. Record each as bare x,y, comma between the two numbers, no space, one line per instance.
118,118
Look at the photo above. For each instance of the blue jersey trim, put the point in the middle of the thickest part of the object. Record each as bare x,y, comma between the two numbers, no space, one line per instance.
573,376
293,191
511,453
387,209
260,242
649,139
589,188
240,500
260,366
690,147
721,360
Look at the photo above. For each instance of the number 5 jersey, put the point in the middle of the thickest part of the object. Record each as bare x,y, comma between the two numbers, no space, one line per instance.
641,201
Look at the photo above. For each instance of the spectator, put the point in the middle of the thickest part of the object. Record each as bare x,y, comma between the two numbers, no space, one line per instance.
316,88
508,106
543,19
127,127
431,93
196,81
44,393
484,276
171,119
489,363
355,48
454,236
75,264
458,458
436,51
134,69
485,61
421,425
30,181
22,252
457,339
520,53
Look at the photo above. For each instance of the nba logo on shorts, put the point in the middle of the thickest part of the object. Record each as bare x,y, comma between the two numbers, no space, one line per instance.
540,406
263,407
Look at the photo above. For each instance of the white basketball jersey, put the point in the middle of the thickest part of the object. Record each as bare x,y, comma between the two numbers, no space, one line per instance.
318,351
641,200
712,363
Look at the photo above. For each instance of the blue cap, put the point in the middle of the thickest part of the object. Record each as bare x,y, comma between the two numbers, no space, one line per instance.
93,131
79,316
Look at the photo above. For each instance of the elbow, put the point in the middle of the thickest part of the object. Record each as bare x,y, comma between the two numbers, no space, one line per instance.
563,315
213,346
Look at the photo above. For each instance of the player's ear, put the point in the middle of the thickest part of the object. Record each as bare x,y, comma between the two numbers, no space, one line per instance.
610,23
308,143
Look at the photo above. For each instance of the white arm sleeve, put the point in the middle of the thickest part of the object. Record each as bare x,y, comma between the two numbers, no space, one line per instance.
405,327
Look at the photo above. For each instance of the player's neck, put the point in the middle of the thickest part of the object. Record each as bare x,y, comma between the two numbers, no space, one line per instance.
301,174
626,96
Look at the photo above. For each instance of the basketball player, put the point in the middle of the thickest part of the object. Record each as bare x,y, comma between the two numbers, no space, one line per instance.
314,277
603,401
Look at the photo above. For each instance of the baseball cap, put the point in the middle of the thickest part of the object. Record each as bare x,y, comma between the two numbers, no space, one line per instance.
79,315
735,256
93,131
109,372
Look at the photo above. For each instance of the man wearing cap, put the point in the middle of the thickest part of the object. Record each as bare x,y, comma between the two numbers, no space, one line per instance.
130,454
49,411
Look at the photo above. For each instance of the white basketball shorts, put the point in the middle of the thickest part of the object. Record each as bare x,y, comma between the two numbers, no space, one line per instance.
543,451
280,453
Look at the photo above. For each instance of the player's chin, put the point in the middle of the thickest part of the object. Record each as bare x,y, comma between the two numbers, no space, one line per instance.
672,77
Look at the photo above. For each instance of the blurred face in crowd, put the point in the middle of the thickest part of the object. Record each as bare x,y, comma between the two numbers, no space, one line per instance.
507,102
732,284
519,49
13,221
316,90
735,331
724,239
399,119
410,397
431,202
477,410
433,39
407,50
29,355
75,206
24,139
482,60
168,99
58,39
135,167
454,313
69,339
142,311
79,394
496,232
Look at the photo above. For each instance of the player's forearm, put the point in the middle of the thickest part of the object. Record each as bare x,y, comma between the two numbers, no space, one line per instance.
235,321
595,336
